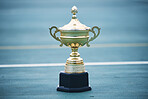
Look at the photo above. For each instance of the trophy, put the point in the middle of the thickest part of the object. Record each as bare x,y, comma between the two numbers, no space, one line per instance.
74,35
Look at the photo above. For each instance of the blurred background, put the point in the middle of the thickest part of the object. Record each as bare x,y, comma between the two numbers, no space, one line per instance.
24,24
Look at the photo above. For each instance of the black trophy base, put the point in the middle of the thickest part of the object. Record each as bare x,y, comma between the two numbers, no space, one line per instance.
75,82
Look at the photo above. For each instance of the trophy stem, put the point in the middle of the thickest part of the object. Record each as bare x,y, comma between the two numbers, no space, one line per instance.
74,63
74,49
74,52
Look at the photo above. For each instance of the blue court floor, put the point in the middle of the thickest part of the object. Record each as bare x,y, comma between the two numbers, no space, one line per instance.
107,82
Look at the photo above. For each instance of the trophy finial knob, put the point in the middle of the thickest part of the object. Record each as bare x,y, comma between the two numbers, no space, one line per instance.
74,10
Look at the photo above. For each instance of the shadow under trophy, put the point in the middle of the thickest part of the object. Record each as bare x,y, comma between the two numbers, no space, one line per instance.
74,35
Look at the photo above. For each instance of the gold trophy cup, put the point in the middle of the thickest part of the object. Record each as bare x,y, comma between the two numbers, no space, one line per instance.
74,35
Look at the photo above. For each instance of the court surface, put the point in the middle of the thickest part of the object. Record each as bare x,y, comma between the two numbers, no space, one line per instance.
30,59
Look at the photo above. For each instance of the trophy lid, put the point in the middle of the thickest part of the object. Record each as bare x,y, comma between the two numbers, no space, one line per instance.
74,24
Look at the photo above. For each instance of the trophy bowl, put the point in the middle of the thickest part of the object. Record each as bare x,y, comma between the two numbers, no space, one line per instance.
75,38
74,35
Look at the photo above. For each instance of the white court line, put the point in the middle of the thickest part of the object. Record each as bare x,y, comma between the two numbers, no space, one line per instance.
56,46
87,63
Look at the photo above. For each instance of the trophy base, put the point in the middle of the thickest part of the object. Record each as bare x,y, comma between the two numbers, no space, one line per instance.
75,82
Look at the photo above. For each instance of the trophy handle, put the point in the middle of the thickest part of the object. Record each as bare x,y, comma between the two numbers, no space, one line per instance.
95,35
54,35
